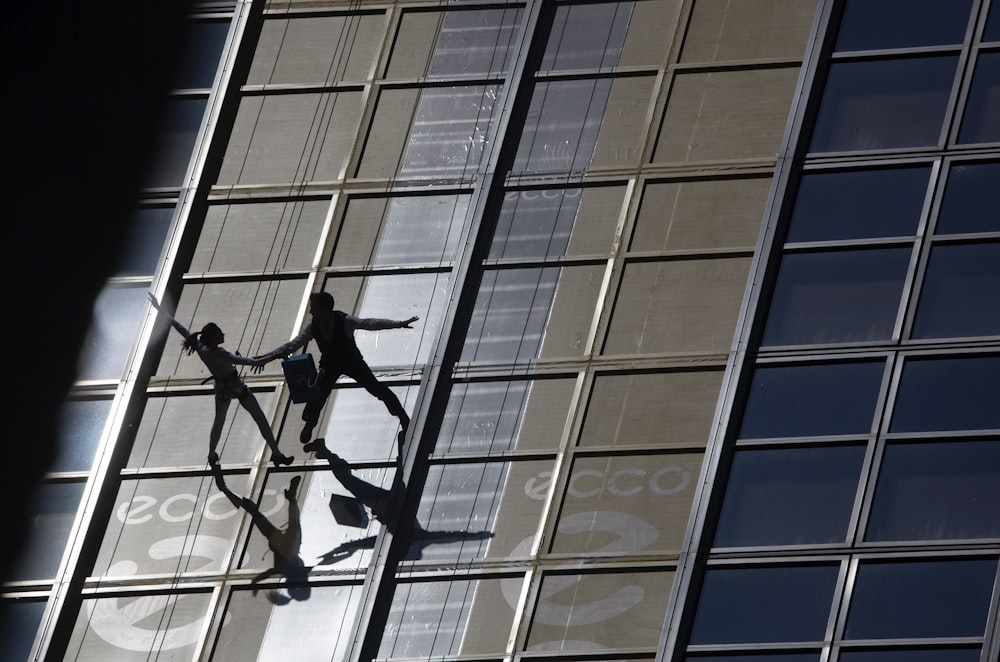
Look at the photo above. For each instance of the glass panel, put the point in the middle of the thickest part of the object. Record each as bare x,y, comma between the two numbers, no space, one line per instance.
255,317
454,43
587,36
291,138
721,31
316,49
471,512
970,196
981,123
164,626
51,513
948,394
81,423
113,328
554,223
692,308
898,600
19,621
911,655
764,604
270,626
837,296
754,657
202,52
876,24
960,292
449,131
445,619
858,204
147,230
400,230
624,504
561,131
497,417
330,519
174,432
520,309
651,409
992,31
700,214
864,101
180,124
599,612
262,237
789,496
812,400
169,526
937,491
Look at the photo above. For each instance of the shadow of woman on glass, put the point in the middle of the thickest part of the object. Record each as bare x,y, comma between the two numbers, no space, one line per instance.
379,501
284,543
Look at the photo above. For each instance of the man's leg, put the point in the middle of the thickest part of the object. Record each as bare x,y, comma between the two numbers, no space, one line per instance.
312,410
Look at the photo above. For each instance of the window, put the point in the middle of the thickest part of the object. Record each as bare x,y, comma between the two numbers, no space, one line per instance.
881,24
764,604
937,491
971,199
812,400
948,394
911,655
960,292
864,100
789,496
981,123
904,599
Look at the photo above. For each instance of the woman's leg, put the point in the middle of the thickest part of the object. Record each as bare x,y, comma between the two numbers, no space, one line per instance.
249,402
221,407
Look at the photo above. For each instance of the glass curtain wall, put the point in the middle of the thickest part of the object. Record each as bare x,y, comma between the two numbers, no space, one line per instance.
854,518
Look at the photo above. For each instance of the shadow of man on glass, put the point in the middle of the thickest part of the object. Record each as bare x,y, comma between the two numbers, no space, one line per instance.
379,502
284,543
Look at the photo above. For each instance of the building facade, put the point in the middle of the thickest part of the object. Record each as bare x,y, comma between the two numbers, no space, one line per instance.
704,367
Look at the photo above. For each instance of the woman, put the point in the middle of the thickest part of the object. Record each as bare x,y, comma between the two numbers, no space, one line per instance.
228,385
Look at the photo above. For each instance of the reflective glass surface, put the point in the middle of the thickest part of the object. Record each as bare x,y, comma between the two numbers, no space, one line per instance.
864,102
475,42
992,31
812,400
943,598
876,24
81,423
971,199
400,230
50,512
937,491
497,417
911,655
836,296
116,317
857,204
789,496
754,657
203,50
181,122
961,292
270,625
535,224
18,624
587,36
948,394
357,425
147,230
764,604
599,611
564,120
981,123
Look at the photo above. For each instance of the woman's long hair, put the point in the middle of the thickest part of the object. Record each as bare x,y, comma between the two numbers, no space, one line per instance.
210,334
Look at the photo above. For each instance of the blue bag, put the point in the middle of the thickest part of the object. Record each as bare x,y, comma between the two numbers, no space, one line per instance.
302,379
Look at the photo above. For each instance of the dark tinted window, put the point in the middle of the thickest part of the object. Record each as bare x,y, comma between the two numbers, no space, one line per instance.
837,296
202,54
981,123
912,655
812,400
52,512
81,423
858,203
19,621
864,104
937,491
992,32
877,24
921,599
147,231
755,657
181,121
789,496
948,394
971,199
961,292
764,604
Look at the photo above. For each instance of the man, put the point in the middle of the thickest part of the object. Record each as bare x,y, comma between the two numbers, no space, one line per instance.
333,332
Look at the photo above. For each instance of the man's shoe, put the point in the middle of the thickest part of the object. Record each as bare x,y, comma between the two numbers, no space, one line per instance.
213,459
317,446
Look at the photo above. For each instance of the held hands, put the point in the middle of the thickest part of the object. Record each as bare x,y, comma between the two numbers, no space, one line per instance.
405,324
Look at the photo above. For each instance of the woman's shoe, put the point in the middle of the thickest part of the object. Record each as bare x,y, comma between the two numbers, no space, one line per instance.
281,460
213,459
